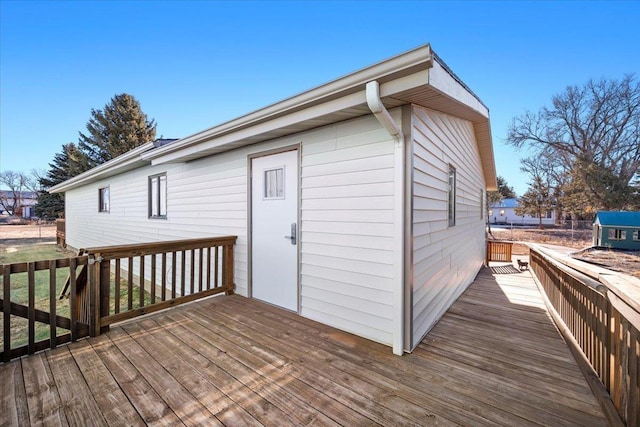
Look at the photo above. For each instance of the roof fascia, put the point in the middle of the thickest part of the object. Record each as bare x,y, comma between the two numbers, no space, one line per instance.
419,57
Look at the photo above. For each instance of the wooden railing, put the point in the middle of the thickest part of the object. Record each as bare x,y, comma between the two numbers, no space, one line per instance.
39,278
163,274
106,285
498,251
604,324
61,238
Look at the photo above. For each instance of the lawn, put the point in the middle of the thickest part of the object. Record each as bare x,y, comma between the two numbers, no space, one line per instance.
19,289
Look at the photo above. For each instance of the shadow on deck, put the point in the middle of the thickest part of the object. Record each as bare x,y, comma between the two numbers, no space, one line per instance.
494,358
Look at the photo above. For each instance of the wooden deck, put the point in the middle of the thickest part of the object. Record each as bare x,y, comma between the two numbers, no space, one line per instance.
494,358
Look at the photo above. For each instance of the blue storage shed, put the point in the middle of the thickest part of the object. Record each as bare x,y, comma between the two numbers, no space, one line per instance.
620,230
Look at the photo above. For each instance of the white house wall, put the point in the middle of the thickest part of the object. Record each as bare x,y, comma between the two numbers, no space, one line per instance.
346,241
445,259
347,228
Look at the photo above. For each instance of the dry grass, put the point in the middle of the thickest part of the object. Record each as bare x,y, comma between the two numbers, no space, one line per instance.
627,262
576,239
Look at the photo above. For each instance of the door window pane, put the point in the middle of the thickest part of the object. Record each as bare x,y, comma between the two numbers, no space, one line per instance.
274,183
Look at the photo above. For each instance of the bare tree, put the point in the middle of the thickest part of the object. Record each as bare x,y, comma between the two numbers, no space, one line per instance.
11,199
595,127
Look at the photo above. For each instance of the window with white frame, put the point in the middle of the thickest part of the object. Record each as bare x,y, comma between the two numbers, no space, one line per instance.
158,196
617,234
103,199
452,196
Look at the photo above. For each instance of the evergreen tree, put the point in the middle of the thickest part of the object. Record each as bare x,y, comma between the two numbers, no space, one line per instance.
537,200
69,162
120,127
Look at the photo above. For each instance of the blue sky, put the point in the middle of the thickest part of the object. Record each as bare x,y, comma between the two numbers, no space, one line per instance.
196,64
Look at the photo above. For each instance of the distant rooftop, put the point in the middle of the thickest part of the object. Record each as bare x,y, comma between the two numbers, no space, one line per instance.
622,218
161,142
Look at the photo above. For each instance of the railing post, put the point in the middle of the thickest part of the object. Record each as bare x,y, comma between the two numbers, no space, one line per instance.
105,291
94,295
228,269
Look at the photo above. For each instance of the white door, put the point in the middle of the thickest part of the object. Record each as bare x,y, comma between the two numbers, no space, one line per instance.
274,206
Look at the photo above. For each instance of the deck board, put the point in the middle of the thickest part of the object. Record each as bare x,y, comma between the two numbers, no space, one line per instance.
495,358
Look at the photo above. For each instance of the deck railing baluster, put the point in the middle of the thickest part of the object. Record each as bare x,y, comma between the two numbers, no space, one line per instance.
98,286
603,325
32,306
52,302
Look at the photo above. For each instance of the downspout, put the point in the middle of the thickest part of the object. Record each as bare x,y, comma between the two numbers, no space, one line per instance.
382,114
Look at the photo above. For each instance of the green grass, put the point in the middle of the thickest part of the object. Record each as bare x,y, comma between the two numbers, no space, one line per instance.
20,290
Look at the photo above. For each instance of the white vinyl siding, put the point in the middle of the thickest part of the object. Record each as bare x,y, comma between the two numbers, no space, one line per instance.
205,198
445,259
347,228
346,218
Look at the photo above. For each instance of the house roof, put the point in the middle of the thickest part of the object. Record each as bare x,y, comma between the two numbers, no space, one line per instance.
505,203
618,218
417,76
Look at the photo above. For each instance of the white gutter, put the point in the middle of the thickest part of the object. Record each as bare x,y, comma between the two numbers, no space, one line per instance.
416,59
382,114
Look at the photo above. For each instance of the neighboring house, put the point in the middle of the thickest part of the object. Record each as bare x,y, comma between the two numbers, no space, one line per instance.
26,202
359,203
505,213
620,230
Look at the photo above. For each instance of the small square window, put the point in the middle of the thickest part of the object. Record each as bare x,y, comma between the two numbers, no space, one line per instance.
274,183
103,199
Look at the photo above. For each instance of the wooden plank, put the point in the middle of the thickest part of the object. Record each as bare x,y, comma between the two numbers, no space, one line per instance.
183,265
178,362
52,302
73,301
6,313
116,296
130,283
267,381
148,403
13,396
43,399
112,252
209,268
384,397
41,316
211,360
192,266
174,266
109,320
141,282
32,307
179,399
163,267
153,278
75,396
23,267
113,404
200,269
481,390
